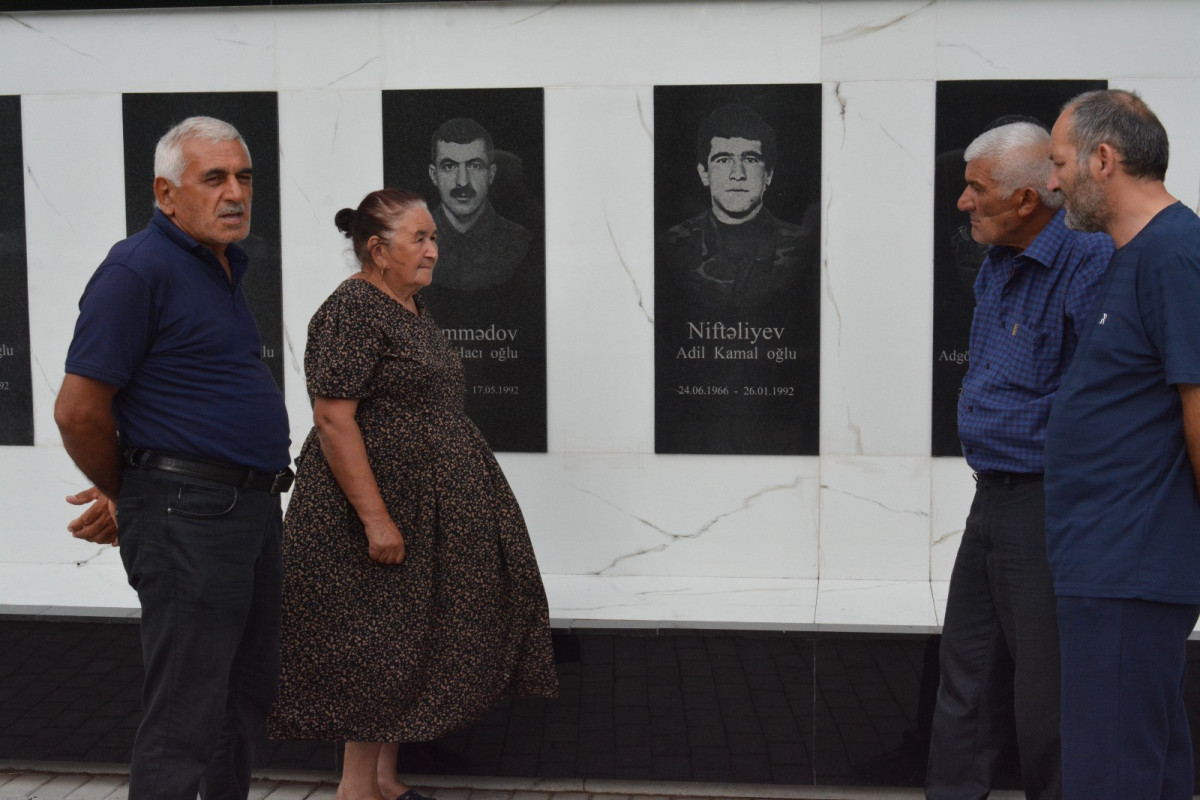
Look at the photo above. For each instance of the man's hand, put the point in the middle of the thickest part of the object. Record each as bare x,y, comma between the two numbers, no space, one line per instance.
98,523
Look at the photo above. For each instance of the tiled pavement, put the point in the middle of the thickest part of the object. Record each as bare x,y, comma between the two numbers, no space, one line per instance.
36,781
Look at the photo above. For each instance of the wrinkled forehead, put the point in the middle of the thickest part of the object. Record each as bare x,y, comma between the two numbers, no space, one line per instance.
461,153
205,154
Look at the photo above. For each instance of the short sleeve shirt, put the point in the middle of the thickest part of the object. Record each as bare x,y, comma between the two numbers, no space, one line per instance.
1123,518
160,321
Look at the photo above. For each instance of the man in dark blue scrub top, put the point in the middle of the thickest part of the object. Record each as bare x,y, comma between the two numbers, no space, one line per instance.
1122,459
168,409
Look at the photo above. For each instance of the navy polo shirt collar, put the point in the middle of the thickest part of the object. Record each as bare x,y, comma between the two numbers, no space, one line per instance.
238,260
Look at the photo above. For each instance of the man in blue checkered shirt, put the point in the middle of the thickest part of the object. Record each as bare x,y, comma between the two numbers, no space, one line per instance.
999,650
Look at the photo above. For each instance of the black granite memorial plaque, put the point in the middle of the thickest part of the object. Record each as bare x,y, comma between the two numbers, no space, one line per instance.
16,386
477,156
966,109
737,172
256,116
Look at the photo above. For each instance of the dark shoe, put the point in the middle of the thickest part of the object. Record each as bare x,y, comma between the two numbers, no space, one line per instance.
413,794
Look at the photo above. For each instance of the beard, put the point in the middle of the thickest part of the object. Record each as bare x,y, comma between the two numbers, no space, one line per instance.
1087,207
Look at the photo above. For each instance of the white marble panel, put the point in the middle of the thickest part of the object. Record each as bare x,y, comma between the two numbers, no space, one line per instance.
857,37
91,586
590,44
866,605
877,304
336,48
669,515
331,156
35,513
74,212
600,269
953,490
874,518
174,51
1067,39
656,602
941,591
1173,101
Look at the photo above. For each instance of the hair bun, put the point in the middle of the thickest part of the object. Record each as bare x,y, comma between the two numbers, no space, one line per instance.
344,220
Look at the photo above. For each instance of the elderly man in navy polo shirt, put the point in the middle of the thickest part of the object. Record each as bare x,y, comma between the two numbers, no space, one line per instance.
168,409
1123,463
999,649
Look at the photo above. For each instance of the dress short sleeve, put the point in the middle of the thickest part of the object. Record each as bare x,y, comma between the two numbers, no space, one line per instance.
344,348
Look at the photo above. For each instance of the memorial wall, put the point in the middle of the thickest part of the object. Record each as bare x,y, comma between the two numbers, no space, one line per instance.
714,317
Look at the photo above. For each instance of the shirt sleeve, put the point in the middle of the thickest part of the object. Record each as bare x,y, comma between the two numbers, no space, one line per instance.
1169,296
343,352
115,328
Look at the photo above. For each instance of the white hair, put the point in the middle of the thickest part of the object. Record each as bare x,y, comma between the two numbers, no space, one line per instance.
1021,152
169,162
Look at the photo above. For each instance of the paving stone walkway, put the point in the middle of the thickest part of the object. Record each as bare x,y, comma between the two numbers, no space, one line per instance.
103,782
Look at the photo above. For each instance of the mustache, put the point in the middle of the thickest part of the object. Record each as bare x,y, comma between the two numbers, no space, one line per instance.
463,192
231,208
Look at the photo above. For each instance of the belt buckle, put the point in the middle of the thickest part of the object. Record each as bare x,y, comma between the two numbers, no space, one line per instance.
282,481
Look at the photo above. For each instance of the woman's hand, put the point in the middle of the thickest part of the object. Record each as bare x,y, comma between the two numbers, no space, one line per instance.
385,542
342,443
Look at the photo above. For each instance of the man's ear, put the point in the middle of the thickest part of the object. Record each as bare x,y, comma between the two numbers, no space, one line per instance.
1108,159
164,193
1029,201
491,174
433,174
770,173
702,171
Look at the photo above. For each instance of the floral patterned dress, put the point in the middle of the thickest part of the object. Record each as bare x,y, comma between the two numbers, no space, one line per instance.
407,652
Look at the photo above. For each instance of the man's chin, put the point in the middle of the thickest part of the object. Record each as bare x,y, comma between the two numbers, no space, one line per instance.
737,216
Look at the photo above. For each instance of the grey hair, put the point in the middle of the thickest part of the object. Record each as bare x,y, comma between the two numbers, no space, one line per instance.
1123,120
1021,152
169,162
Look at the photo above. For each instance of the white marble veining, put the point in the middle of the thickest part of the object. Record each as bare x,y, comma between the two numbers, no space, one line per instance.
874,518
74,212
1066,39
941,590
670,602
306,59
331,156
171,51
876,334
33,524
861,538
648,515
598,44
857,37
952,490
600,269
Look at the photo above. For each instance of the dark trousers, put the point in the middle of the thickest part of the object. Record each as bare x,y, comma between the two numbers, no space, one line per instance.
1124,723
205,561
999,651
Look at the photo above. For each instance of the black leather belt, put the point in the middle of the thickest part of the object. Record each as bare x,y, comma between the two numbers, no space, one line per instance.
997,478
228,474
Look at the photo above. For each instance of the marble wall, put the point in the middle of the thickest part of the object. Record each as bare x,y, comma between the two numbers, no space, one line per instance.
861,536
